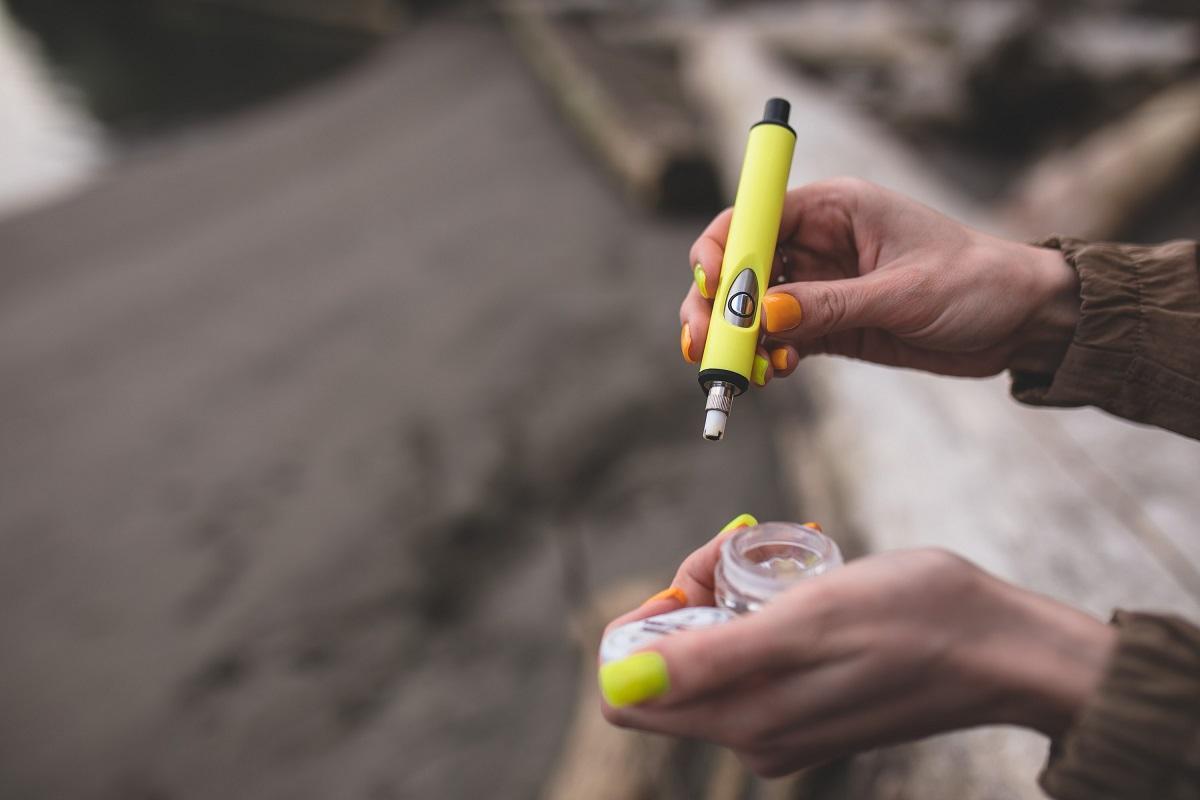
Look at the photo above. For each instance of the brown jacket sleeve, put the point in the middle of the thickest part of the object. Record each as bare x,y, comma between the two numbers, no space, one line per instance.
1136,349
1139,737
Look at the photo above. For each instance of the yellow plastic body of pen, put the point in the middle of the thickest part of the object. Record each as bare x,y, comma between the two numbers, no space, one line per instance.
746,269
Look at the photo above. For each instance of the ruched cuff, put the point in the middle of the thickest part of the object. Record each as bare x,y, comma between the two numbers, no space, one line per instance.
1139,737
1136,348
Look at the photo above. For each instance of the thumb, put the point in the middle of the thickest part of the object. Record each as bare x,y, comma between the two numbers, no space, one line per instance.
811,309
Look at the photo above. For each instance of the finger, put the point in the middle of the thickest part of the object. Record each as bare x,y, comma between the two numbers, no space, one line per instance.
701,662
812,309
670,599
695,574
694,314
761,370
734,717
693,582
818,227
784,359
707,253
779,265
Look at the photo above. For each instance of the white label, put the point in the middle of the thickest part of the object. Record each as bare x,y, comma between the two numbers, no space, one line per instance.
634,636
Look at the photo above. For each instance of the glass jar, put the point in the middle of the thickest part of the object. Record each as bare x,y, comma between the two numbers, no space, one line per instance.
756,564
759,562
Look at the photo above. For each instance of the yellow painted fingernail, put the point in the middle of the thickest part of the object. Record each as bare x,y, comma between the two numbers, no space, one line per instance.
758,373
634,679
779,358
685,343
701,281
671,593
815,526
740,521
781,312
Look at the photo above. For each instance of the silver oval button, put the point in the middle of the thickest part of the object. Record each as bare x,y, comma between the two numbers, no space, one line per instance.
742,304
743,299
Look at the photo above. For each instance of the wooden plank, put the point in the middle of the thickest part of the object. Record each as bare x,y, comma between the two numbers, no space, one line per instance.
1093,189
599,761
729,74
958,464
625,107
305,459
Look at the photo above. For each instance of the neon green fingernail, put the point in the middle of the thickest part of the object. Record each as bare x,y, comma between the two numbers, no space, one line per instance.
758,373
701,282
634,679
741,521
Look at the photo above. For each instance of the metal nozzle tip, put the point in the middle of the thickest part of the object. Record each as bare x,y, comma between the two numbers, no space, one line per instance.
716,410
714,424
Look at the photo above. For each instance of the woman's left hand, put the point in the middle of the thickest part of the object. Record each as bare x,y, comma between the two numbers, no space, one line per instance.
889,648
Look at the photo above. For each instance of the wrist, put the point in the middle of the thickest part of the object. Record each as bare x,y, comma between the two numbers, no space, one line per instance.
1043,660
1052,287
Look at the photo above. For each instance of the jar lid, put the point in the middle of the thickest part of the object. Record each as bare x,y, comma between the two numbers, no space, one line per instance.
639,634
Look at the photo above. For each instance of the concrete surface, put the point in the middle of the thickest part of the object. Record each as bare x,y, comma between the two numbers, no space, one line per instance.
315,426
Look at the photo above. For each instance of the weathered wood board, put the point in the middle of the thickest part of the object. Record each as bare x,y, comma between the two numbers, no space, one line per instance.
304,458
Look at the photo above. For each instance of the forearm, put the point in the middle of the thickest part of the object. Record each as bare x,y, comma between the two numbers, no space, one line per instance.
1038,661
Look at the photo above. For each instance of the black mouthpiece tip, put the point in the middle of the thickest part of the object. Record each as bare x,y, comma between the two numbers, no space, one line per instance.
778,110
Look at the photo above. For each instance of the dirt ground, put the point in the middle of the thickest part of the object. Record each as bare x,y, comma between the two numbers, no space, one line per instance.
316,425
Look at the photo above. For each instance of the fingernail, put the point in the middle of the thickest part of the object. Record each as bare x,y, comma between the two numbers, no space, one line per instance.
815,526
779,358
758,372
634,679
671,593
781,312
740,521
701,281
685,343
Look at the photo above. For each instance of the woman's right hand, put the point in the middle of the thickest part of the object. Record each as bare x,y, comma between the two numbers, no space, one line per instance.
868,273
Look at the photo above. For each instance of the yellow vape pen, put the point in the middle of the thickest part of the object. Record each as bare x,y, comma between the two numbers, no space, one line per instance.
746,269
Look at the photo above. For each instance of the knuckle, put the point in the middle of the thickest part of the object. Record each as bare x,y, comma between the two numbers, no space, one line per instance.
824,610
917,289
849,184
938,560
949,569
846,189
831,308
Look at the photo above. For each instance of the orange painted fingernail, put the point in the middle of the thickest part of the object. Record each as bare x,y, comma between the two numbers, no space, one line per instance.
670,593
781,312
779,358
814,526
685,343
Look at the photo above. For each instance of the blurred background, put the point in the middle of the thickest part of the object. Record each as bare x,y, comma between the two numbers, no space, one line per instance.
340,392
